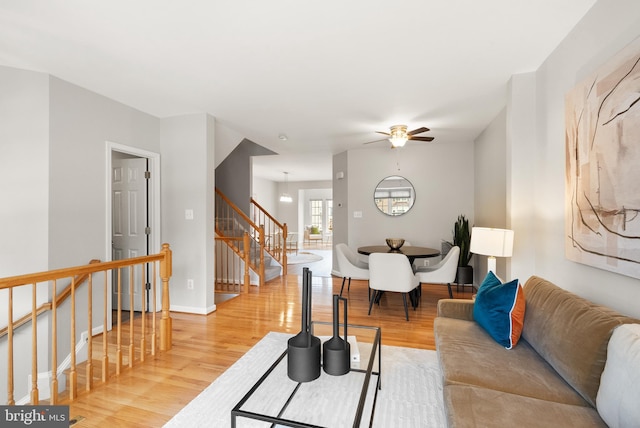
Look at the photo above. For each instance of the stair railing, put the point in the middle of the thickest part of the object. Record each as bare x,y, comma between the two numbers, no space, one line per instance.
232,222
232,273
276,233
97,272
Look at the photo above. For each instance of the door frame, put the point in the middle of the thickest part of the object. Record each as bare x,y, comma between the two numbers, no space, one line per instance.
154,205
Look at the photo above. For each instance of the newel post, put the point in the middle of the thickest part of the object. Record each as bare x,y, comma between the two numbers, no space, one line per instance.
165,321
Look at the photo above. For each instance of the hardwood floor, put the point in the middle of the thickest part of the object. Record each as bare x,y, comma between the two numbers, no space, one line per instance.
205,346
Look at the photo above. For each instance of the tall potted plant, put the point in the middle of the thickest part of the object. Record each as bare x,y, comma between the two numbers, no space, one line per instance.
462,239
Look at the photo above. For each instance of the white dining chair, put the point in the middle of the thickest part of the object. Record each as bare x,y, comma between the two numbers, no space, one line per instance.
442,273
391,272
350,266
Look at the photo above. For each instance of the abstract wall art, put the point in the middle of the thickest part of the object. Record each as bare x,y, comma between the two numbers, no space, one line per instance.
602,119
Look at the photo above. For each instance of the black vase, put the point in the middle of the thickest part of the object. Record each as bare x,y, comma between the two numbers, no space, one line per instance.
303,350
336,352
464,275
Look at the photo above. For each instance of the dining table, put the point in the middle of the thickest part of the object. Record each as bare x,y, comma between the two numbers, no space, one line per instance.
412,252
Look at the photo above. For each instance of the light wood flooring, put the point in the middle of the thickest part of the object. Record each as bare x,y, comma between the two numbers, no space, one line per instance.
205,346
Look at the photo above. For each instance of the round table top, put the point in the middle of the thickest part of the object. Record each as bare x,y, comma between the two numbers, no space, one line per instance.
407,250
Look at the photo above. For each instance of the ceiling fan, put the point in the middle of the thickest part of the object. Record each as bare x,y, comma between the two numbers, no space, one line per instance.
398,135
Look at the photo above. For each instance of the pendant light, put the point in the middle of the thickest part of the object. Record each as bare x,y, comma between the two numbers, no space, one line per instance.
286,197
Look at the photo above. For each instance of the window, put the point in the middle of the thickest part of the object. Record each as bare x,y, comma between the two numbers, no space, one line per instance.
316,212
329,214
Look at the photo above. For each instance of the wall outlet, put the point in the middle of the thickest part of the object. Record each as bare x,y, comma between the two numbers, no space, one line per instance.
190,284
188,214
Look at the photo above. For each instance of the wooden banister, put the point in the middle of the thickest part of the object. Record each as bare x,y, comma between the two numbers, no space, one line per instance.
235,208
35,282
266,213
48,305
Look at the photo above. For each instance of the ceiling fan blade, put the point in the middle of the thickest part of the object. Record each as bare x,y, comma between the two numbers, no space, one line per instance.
421,138
383,133
418,131
376,141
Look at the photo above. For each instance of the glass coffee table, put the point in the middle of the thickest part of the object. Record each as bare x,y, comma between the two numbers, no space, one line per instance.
329,401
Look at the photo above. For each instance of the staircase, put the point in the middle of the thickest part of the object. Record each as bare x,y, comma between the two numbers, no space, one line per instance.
266,248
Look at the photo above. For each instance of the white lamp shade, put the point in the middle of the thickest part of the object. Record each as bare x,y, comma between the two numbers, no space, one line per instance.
491,242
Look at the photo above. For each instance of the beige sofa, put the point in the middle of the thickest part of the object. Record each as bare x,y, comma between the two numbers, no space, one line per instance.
549,379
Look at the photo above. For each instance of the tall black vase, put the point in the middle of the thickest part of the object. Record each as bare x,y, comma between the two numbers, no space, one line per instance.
303,350
336,352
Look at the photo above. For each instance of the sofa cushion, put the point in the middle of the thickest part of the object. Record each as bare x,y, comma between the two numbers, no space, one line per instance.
499,308
468,355
618,399
471,406
569,332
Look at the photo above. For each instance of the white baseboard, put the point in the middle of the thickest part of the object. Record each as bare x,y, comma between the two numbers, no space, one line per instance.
44,378
192,309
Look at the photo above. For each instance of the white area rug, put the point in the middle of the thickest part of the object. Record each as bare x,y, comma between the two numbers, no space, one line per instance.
411,394
302,257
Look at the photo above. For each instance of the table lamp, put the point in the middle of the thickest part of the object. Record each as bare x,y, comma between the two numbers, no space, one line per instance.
493,243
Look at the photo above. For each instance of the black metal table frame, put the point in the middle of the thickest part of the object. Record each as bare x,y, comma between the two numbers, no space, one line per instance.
376,345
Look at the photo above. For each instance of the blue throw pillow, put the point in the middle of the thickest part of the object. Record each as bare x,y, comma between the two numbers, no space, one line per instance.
499,309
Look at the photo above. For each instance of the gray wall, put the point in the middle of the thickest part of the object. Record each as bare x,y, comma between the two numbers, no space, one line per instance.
81,123
536,159
53,161
24,216
24,171
490,188
188,183
442,175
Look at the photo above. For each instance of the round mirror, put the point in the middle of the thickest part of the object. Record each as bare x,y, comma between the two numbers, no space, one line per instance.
394,195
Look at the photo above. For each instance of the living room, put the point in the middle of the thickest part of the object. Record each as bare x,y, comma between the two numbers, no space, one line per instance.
511,175
524,193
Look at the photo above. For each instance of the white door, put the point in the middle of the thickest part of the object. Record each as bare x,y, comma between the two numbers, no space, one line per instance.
129,216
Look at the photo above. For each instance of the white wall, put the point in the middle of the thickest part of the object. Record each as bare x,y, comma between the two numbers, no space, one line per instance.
188,183
605,29
265,192
268,192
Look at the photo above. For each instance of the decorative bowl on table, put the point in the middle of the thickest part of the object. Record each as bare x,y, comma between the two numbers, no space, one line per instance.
395,243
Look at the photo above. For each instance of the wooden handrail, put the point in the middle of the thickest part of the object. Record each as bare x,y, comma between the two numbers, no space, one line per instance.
48,305
236,209
273,227
265,212
80,274
256,231
13,281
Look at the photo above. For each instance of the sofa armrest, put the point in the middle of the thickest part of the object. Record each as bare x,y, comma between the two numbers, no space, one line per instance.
456,308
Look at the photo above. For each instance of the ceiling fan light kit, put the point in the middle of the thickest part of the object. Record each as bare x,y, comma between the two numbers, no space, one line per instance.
398,135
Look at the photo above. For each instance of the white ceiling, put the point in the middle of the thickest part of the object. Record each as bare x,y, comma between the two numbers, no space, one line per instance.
328,74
